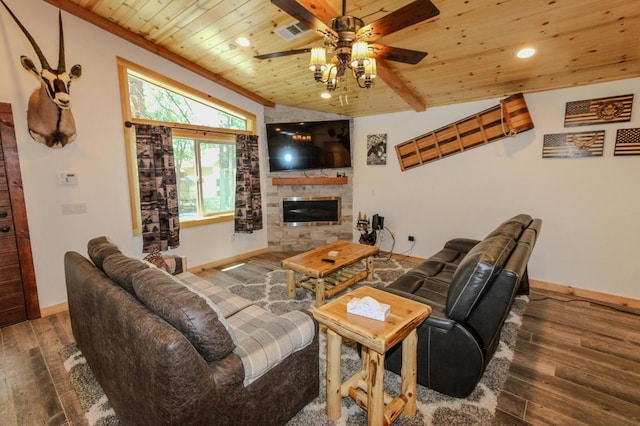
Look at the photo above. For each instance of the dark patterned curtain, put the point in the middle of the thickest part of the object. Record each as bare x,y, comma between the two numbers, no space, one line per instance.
248,196
158,191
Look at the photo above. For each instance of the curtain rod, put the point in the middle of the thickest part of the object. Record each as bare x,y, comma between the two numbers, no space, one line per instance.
222,132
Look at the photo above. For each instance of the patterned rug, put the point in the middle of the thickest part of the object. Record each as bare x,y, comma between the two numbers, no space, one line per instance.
267,288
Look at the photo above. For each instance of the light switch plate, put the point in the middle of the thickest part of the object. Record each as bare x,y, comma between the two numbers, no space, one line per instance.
67,178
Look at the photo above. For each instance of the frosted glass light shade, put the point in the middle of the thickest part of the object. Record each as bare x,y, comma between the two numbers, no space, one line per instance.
359,54
318,59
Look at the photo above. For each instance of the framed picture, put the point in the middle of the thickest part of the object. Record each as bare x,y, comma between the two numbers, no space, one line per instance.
377,149
573,145
614,109
627,142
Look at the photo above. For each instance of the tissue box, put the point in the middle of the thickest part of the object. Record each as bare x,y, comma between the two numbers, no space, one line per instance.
368,307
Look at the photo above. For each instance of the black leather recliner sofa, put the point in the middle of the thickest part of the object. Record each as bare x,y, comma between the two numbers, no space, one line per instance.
470,286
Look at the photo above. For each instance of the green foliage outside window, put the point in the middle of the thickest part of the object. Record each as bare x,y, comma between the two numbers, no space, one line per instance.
205,167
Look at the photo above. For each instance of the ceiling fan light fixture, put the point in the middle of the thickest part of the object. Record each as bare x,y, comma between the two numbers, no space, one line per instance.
359,54
330,78
318,62
366,80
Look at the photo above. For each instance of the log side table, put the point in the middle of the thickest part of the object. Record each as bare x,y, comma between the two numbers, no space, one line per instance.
366,387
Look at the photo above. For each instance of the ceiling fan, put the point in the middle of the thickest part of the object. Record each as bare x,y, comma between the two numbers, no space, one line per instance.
351,40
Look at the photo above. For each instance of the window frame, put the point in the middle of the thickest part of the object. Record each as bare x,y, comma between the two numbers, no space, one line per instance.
199,139
189,131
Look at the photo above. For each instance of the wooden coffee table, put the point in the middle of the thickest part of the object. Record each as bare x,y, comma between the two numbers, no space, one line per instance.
326,279
366,387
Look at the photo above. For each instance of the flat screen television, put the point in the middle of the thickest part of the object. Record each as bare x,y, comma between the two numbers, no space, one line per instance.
309,145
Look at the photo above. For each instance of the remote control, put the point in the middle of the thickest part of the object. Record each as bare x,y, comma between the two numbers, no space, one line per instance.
329,260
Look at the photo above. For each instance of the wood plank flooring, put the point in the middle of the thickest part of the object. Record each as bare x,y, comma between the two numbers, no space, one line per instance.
576,362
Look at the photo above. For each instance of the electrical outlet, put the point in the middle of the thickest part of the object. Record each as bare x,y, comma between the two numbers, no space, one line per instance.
412,238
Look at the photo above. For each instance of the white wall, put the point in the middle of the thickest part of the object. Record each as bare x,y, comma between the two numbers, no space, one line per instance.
98,154
590,206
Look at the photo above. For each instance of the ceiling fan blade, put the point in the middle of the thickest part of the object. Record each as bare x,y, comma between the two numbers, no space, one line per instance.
283,53
411,14
397,54
299,12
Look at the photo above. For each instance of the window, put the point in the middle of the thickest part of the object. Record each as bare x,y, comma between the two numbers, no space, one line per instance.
206,172
203,142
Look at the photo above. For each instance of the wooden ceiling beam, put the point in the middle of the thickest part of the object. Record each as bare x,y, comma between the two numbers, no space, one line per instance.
142,42
390,77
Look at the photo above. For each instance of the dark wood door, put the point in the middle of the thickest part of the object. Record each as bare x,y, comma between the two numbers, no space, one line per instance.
18,292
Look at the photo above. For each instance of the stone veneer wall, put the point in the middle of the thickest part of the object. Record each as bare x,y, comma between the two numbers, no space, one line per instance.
301,238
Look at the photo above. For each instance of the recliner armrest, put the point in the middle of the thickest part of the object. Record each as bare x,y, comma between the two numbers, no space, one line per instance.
461,244
438,322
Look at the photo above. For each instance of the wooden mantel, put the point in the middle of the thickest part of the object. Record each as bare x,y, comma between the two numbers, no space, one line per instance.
318,180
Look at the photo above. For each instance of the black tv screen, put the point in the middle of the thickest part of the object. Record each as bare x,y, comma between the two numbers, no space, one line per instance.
309,145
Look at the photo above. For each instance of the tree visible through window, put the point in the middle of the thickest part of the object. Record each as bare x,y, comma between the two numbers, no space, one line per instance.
204,157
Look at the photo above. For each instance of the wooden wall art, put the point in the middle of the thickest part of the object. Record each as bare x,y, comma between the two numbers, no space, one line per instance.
615,109
573,145
507,119
627,142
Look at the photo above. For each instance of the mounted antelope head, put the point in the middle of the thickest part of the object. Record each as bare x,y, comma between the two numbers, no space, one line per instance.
49,115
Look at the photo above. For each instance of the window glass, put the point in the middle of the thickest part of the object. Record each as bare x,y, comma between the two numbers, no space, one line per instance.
153,102
204,132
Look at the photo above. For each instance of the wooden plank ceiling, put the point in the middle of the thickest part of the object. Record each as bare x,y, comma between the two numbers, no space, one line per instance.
471,45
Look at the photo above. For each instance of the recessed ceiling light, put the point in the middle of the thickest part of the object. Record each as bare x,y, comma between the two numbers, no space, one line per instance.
325,95
243,41
527,52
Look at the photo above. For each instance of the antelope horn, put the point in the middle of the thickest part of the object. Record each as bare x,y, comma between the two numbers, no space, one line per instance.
43,60
61,65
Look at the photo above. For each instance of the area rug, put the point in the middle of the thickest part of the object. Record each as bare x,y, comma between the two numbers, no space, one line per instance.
267,288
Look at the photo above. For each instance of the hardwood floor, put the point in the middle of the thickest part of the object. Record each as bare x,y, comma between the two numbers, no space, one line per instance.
576,362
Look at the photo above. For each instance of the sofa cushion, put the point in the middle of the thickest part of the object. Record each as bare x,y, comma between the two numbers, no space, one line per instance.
475,272
121,268
99,249
227,302
185,310
264,339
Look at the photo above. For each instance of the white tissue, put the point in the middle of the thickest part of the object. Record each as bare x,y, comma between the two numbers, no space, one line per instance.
368,307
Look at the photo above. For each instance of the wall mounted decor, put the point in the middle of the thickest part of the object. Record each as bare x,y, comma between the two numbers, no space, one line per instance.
614,109
49,116
377,149
498,122
627,142
573,145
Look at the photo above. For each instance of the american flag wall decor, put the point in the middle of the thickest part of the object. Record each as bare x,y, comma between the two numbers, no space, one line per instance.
573,145
615,109
627,142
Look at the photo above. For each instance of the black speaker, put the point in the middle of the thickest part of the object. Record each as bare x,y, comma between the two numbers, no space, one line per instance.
377,222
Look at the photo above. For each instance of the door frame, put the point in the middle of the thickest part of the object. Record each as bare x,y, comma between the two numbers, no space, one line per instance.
18,210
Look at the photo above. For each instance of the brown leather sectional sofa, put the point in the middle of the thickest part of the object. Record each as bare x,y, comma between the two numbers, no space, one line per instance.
155,374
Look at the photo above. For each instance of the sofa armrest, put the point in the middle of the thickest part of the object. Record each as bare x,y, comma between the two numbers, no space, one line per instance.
461,244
